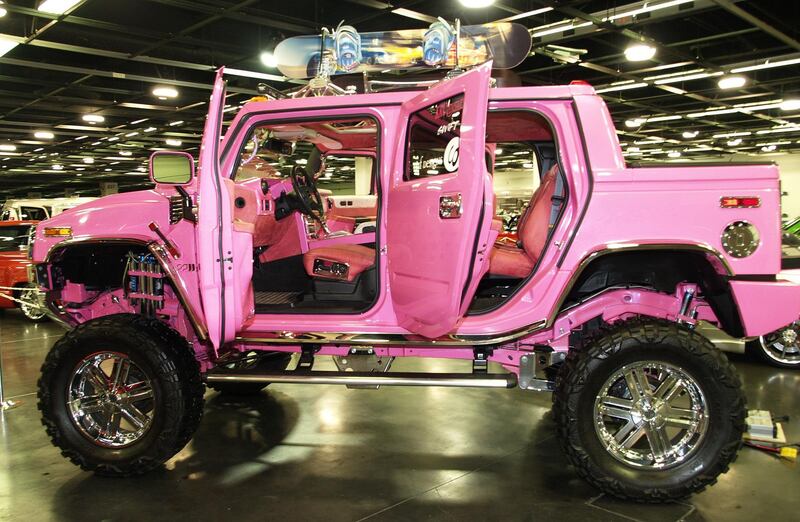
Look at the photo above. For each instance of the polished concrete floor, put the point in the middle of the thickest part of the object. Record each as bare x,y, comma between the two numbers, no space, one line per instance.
396,454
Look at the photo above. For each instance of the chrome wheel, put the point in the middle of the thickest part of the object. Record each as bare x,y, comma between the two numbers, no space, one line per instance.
651,415
111,399
32,304
782,346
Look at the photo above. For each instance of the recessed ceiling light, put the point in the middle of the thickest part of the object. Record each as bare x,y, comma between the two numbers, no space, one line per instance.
162,93
137,122
733,143
58,167
44,135
269,60
93,118
7,147
56,6
131,134
107,170
150,129
634,122
88,161
476,4
79,138
173,143
790,105
125,153
769,148
731,82
3,12
639,52
142,169
174,123
6,44
498,150
674,154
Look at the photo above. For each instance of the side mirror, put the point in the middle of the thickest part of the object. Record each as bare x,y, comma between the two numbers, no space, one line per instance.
171,167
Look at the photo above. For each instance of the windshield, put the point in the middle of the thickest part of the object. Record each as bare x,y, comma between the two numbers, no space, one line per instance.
12,238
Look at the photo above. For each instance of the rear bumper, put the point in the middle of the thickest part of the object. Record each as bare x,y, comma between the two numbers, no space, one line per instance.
765,306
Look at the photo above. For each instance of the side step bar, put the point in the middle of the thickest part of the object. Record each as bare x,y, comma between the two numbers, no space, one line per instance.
453,380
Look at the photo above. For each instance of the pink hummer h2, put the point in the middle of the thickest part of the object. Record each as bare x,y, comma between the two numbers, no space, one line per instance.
363,227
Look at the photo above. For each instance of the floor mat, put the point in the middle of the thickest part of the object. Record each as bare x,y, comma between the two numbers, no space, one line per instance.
276,298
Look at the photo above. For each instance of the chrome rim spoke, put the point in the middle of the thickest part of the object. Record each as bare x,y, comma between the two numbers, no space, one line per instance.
102,393
133,415
120,373
659,441
616,407
658,402
668,389
630,437
90,404
98,379
139,393
681,417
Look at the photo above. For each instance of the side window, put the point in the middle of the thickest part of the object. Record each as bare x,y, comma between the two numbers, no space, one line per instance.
433,139
347,175
32,213
524,149
274,149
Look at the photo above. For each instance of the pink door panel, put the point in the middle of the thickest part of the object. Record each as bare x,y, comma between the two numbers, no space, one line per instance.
436,203
215,250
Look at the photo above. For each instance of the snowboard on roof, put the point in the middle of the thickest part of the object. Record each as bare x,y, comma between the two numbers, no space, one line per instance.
346,51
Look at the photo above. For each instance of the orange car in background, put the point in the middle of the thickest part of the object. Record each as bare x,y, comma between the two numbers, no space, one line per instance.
14,270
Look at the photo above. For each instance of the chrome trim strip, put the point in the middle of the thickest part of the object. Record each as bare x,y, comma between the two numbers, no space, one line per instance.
369,339
451,380
194,318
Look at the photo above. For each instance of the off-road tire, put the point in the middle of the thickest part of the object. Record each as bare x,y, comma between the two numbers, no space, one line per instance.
273,361
584,373
175,375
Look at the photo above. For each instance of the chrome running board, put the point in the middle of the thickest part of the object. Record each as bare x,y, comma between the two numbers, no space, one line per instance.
453,380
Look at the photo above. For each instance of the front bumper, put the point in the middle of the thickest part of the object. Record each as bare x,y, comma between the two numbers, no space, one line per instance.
765,306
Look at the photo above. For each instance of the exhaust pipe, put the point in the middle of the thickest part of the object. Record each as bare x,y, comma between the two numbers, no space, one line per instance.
450,380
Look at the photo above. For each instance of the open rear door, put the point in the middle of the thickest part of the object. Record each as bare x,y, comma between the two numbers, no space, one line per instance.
436,218
214,229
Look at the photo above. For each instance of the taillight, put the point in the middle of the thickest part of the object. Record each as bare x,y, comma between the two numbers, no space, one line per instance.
739,202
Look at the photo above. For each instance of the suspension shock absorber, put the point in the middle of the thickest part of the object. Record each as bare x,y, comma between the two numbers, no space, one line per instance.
145,283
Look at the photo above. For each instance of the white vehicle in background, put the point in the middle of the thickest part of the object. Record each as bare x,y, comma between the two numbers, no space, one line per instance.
38,209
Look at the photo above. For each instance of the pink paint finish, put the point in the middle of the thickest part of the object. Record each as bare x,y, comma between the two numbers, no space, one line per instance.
428,255
766,306
429,267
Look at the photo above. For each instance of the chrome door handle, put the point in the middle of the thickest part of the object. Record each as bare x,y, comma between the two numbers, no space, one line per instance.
450,206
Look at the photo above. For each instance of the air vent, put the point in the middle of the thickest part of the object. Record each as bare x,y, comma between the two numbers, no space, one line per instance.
175,209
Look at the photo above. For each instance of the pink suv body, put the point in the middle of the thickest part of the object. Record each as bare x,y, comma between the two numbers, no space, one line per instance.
611,209
712,232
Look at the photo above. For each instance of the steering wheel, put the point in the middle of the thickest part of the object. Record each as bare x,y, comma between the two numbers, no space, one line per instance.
305,188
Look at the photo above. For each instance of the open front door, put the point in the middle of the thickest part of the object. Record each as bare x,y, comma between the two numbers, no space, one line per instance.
214,229
436,218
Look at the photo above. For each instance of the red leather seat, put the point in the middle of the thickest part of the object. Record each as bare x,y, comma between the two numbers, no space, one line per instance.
319,262
532,231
